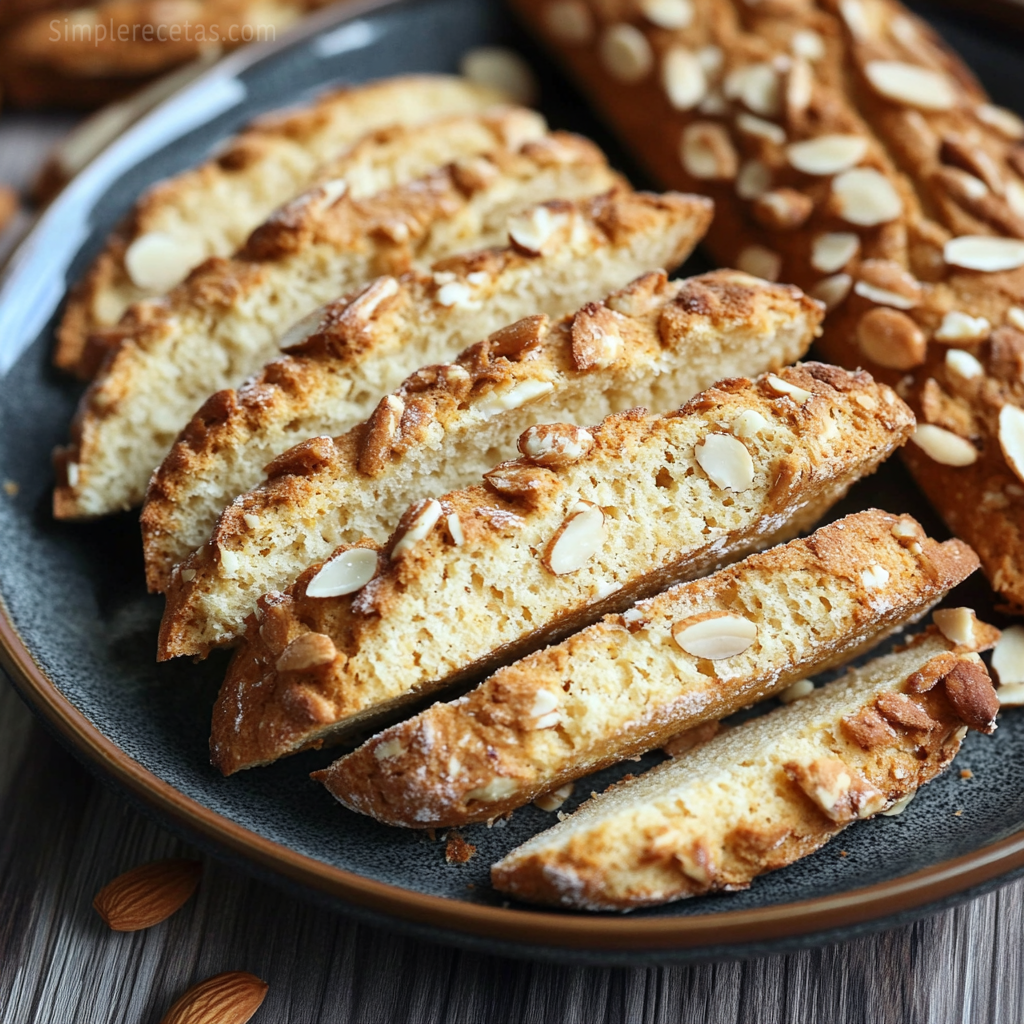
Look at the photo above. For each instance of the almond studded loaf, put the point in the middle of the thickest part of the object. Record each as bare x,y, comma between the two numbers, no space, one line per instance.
225,321
484,575
656,343
210,210
850,152
562,254
768,792
695,654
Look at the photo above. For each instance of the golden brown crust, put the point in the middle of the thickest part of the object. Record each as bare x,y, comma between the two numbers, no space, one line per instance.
388,327
752,800
641,552
502,745
868,70
273,160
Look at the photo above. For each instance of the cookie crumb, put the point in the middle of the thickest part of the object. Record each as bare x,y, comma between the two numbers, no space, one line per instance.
843,853
956,814
966,773
11,488
457,850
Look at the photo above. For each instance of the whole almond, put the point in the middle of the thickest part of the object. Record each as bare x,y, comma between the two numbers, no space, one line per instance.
148,894
229,998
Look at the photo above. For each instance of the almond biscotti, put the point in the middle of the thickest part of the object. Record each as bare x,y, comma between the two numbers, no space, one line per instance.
226,320
850,152
562,254
768,792
210,210
482,576
694,654
653,344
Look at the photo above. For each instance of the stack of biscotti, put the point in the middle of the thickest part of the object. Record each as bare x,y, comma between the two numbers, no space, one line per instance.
231,316
692,655
852,153
479,576
768,792
211,209
654,343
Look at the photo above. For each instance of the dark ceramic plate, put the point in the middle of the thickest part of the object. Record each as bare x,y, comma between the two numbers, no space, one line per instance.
78,630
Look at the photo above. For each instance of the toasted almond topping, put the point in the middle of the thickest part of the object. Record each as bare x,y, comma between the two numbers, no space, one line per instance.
961,327
984,252
882,296
891,339
503,401
251,520
388,749
800,689
707,152
380,434
956,625
228,559
760,128
760,262
307,651
596,337
1008,656
534,231
668,13
711,59
874,576
963,364
1015,196
421,525
726,461
300,331
753,180
756,86
364,307
545,710
827,154
552,801
1011,437
555,444
783,209
625,53
519,337
188,575
344,574
714,635
683,78
497,789
855,17
455,531
748,423
799,90
944,446
832,290
569,21
838,792
832,251
906,529
866,197
910,84
502,69
578,539
1015,317
157,261
970,691
456,293
1003,120
899,806
808,44
783,387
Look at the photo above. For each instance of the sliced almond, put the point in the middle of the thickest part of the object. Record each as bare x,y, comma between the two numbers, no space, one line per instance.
305,652
502,69
783,209
827,154
148,894
899,806
344,574
157,261
302,329
911,84
799,90
874,577
962,328
683,78
544,711
882,296
555,445
513,398
753,180
1015,196
856,19
726,461
1003,120
800,689
418,528
668,13
832,251
783,387
552,801
578,539
760,128
455,530
455,294
808,44
748,423
984,252
534,231
891,339
956,625
229,998
1014,317
715,636
944,446
865,197
707,152
569,21
832,290
760,262
1008,656
962,364
625,53
756,86
1011,437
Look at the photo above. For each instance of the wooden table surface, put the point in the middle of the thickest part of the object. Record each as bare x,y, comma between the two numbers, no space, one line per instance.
63,836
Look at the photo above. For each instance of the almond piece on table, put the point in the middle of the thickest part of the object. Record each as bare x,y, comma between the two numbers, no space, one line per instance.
229,998
148,894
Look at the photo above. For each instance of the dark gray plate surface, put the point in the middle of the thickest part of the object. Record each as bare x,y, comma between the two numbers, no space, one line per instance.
75,595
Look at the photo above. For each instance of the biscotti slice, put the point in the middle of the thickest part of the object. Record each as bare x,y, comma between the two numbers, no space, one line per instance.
226,320
695,654
449,425
365,345
485,575
210,210
768,792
